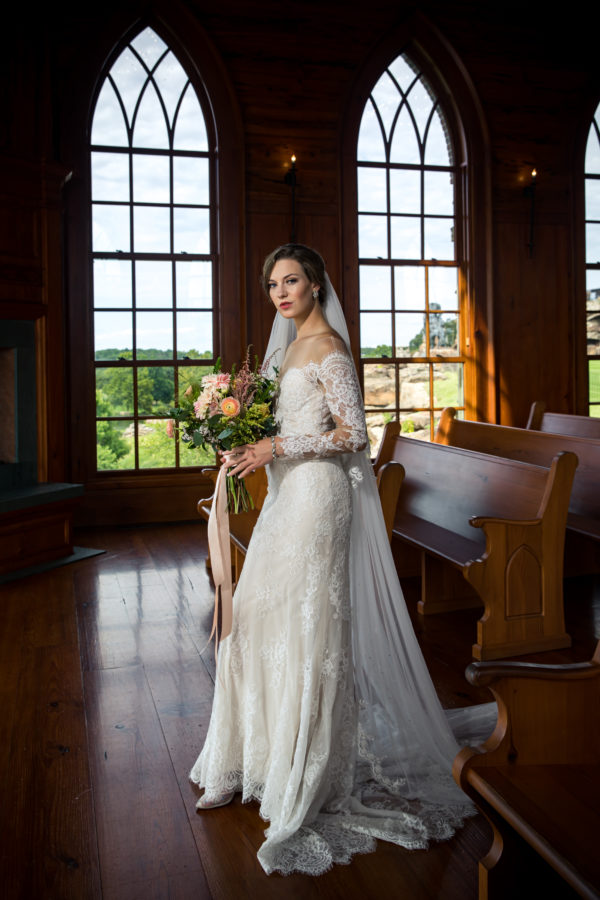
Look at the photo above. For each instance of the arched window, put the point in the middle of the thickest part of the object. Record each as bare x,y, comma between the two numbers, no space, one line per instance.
592,258
153,251
412,339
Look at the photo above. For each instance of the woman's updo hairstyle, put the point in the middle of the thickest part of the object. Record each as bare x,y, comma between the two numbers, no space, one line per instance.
311,262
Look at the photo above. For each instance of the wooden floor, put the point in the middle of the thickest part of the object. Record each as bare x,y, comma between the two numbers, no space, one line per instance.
106,695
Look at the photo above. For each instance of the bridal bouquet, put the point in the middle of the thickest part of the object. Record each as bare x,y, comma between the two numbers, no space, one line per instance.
226,410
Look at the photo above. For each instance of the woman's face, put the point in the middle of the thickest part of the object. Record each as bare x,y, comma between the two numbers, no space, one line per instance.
290,290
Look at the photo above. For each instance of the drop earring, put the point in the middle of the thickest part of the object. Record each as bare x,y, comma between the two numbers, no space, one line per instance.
315,294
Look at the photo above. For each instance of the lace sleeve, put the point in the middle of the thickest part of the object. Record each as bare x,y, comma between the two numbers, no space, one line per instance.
337,377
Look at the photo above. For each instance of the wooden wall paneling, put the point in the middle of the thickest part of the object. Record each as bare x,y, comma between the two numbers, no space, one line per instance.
533,320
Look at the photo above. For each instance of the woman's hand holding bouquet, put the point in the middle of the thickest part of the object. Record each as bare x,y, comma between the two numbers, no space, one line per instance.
226,411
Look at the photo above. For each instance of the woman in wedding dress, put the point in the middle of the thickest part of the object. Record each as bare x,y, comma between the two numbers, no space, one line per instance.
324,710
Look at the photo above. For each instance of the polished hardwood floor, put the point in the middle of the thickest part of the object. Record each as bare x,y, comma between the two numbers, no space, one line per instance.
106,688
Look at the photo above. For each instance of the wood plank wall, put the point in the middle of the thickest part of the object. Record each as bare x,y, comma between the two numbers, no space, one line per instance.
291,70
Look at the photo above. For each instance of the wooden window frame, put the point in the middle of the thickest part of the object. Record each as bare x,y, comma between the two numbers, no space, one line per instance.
147,494
457,97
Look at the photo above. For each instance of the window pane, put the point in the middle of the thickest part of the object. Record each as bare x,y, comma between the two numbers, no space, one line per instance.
110,228
406,237
415,425
153,283
410,334
380,385
592,152
115,445
448,384
110,176
592,243
405,147
439,243
386,97
151,179
190,180
187,375
405,191
195,456
437,146
375,287
592,287
171,80
190,128
443,287
194,284
372,190
439,193
593,333
410,287
150,129
592,198
130,77
114,391
421,105
375,334
403,72
414,385
370,137
156,390
194,335
113,334
156,448
108,126
149,46
376,423
443,334
372,237
112,282
192,231
154,335
594,375
151,229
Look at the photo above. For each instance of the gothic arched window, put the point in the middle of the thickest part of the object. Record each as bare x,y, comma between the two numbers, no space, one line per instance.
411,335
592,259
153,252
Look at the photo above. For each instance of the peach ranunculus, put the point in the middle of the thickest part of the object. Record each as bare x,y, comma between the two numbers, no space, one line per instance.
170,428
230,406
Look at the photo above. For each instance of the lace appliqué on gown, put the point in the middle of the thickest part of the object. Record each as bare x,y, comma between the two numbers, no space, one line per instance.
286,728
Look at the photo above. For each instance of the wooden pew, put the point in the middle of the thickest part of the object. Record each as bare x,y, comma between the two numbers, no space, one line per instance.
500,524
537,778
540,448
562,423
389,475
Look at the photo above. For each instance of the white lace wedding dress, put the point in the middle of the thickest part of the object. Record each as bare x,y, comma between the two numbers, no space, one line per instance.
294,723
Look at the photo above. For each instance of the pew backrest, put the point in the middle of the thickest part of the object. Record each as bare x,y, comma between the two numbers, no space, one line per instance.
448,486
535,447
562,423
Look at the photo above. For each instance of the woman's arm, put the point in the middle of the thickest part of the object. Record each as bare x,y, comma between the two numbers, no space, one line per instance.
337,376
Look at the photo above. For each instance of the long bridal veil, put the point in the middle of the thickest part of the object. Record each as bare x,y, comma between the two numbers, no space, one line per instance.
403,787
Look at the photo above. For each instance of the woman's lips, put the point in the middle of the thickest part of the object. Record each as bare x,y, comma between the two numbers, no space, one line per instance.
285,305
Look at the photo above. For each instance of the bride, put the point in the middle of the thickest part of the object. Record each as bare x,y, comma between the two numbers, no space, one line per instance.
324,711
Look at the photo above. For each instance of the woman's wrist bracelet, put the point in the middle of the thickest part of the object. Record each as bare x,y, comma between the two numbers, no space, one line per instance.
273,447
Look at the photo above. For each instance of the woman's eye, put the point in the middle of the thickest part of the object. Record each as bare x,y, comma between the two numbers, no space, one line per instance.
271,285
292,280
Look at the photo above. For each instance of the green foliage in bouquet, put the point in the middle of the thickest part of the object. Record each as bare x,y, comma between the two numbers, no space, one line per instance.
227,410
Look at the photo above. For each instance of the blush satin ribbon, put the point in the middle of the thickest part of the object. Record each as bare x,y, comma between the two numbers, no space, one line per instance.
220,557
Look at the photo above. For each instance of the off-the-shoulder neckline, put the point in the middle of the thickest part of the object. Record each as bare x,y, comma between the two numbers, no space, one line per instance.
343,353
